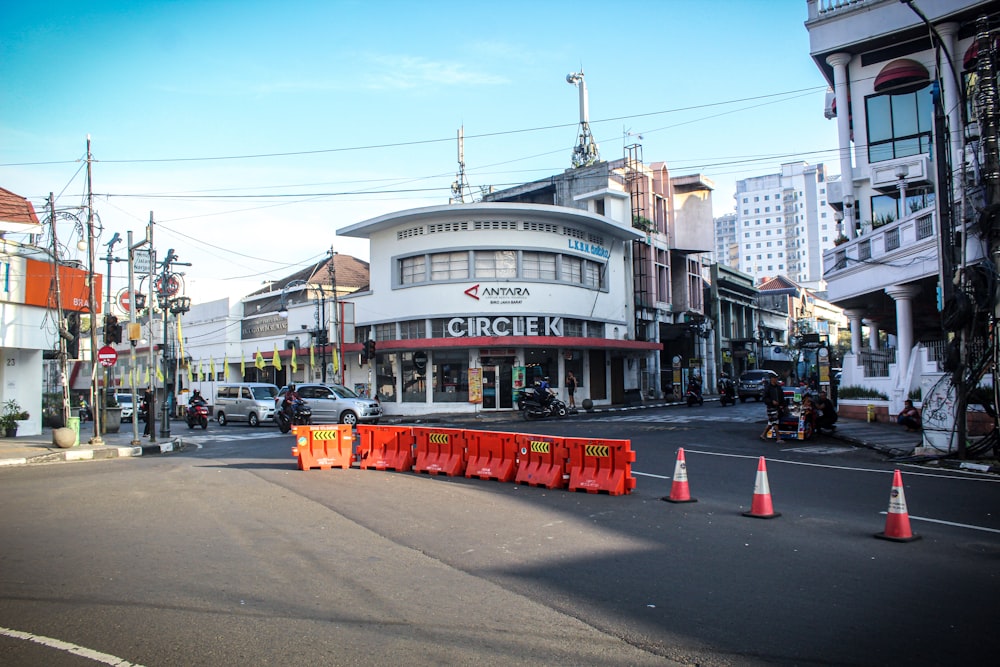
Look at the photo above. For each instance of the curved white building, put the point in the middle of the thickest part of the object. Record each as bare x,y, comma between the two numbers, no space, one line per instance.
467,302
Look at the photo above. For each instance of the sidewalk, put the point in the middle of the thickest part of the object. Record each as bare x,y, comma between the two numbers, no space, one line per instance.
889,439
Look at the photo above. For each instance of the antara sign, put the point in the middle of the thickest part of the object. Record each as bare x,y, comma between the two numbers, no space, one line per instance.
459,327
498,295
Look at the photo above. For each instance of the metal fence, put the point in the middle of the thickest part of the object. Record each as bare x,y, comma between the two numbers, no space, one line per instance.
876,362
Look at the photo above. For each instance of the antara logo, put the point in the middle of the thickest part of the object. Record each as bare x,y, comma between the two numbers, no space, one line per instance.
473,292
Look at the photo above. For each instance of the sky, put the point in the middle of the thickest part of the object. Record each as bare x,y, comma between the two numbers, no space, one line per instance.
251,131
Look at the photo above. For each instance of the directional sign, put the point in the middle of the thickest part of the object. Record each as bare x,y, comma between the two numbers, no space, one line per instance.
140,261
107,356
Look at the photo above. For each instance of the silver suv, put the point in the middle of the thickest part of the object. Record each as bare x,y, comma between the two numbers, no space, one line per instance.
751,384
334,403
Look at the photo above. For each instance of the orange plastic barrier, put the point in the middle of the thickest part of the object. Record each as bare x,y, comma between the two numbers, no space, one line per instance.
324,446
439,450
541,461
385,447
491,455
600,465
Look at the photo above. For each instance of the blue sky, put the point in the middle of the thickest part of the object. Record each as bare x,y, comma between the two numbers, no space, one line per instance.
253,130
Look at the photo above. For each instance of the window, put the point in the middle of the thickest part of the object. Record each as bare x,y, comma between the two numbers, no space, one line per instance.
413,270
412,329
591,274
538,265
450,266
571,270
899,125
496,264
450,375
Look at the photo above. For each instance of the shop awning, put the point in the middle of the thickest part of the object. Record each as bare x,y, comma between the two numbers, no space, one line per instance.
903,75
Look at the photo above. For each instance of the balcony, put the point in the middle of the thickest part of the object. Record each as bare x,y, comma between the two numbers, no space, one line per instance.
899,252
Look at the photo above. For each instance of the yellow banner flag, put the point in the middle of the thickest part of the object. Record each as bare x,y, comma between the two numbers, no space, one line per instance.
211,365
146,383
336,360
201,372
295,362
243,365
259,360
190,372
312,358
131,377
275,359
159,372
180,338
225,367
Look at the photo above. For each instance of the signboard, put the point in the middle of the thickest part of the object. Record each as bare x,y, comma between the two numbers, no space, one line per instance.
107,356
168,285
420,359
140,261
73,286
124,300
475,385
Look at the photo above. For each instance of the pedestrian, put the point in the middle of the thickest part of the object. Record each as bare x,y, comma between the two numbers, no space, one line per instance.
571,389
774,403
826,414
909,416
146,410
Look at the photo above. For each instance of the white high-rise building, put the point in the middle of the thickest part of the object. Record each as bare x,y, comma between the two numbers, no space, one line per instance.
784,224
727,249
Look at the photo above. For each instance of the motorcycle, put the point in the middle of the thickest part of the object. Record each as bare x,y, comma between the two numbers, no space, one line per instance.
535,406
196,415
694,397
301,415
727,392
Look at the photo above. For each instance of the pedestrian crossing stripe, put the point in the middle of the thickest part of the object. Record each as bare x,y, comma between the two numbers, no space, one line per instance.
540,446
325,435
596,450
438,438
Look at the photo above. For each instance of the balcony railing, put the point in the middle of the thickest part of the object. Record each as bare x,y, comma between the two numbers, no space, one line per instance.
876,362
880,244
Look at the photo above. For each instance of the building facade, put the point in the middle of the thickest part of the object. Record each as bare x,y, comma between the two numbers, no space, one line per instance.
784,223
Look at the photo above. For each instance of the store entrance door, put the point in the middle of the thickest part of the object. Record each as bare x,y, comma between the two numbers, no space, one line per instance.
490,388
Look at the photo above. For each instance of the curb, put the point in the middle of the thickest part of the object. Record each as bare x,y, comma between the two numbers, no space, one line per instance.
97,453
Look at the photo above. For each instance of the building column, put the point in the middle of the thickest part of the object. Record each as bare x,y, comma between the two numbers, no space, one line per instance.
903,295
952,97
841,88
854,317
872,333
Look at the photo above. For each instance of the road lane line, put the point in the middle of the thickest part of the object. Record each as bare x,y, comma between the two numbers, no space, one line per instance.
952,523
60,645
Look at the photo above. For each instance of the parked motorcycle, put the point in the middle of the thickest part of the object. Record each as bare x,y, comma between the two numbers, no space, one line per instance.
301,415
196,415
534,405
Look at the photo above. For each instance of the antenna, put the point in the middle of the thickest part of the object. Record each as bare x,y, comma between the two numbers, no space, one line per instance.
460,185
586,152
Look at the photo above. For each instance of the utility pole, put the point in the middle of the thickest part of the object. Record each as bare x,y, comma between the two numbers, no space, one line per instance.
92,302
61,322
151,414
108,389
135,305
331,268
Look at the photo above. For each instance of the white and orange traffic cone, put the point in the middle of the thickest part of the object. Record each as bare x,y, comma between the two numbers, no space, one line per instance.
679,491
761,508
897,520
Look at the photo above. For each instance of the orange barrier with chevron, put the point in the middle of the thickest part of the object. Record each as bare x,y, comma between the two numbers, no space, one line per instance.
491,455
541,461
385,447
439,450
600,465
323,446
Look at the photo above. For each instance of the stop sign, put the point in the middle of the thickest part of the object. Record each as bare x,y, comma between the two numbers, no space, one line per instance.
107,356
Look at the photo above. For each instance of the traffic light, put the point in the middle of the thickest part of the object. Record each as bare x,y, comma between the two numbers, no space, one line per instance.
370,349
112,330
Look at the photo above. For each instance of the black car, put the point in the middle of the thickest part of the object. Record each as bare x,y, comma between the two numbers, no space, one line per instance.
751,384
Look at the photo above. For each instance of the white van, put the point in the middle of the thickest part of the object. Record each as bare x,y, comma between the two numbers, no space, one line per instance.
251,402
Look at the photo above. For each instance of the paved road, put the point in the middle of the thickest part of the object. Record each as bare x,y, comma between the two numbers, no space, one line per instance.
227,554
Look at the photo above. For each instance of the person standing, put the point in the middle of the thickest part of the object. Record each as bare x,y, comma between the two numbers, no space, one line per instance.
774,403
571,389
146,409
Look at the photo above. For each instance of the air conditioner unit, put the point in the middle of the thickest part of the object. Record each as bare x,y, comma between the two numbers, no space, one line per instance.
292,344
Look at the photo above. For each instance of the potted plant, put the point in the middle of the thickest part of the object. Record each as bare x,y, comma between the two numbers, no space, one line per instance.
12,413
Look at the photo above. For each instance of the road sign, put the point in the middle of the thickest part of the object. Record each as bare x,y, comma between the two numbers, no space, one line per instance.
107,356
168,285
140,261
124,300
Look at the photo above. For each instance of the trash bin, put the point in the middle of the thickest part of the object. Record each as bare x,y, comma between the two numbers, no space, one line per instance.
73,423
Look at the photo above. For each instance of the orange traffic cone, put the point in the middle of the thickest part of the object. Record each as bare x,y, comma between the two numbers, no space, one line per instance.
897,520
679,491
761,507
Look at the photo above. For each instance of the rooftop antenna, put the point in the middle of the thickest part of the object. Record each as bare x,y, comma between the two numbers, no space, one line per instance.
460,185
586,152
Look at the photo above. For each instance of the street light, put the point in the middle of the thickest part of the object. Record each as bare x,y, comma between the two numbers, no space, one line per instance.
320,333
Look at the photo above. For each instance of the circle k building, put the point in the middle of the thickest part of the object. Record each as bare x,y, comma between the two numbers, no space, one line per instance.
469,302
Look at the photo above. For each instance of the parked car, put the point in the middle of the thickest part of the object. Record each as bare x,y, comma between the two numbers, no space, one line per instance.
125,401
751,384
334,403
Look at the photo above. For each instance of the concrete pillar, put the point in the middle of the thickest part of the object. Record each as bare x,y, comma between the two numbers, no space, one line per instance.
841,87
872,333
903,295
952,96
854,316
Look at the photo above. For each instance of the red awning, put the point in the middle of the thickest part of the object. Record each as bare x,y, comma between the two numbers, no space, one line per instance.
903,75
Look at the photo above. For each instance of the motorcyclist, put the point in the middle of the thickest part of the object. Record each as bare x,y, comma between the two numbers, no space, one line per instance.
195,400
290,397
726,386
694,385
544,391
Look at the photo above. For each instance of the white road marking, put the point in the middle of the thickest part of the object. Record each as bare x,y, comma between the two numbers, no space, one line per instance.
951,523
60,645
